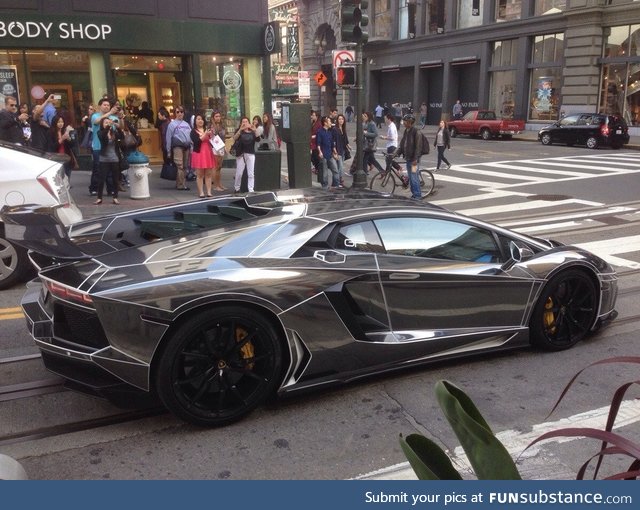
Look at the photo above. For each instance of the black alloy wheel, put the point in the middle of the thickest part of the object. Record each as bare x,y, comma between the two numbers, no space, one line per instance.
219,366
592,142
565,311
14,264
545,139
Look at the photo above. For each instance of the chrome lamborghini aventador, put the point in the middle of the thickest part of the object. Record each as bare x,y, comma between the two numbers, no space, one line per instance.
215,305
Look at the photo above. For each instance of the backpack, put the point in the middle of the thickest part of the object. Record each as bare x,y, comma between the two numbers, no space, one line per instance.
425,144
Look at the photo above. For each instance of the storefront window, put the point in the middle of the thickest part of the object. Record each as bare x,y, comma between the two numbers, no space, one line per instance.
548,48
545,97
63,73
620,92
465,17
382,19
504,53
502,93
223,88
550,7
616,43
508,10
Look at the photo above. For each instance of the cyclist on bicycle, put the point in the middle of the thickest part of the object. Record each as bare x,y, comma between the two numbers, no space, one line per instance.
411,147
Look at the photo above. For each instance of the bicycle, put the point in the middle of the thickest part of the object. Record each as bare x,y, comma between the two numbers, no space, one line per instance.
386,181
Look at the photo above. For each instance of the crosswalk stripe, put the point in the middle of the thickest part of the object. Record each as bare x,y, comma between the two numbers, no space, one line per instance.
478,169
542,170
522,206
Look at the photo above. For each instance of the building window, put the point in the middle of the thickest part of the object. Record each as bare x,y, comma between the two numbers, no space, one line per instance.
382,19
403,19
550,7
508,10
548,48
502,89
620,91
545,96
223,88
465,18
434,16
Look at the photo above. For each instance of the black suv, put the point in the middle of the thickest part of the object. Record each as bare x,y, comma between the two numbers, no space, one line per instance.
590,129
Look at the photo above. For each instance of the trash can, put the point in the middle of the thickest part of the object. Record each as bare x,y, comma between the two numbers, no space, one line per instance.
267,170
138,176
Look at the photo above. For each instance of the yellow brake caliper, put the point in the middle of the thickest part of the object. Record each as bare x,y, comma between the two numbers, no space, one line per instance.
548,318
247,350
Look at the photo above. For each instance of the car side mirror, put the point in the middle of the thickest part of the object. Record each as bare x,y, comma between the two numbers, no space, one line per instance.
518,253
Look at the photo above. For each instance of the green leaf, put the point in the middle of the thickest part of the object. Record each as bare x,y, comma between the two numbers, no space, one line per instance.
428,460
487,455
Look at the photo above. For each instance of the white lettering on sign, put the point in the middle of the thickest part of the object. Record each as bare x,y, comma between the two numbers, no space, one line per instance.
32,29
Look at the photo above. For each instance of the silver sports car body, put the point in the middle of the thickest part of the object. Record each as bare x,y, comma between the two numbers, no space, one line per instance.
214,305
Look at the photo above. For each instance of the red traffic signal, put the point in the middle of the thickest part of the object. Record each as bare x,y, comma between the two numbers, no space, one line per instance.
346,76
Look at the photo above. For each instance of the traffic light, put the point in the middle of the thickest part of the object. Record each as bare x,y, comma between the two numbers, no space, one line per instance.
346,76
353,18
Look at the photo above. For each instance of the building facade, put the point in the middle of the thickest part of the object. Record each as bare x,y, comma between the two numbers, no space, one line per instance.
205,54
531,59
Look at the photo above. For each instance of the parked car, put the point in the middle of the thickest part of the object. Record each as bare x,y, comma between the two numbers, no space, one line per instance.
485,124
215,305
590,129
28,176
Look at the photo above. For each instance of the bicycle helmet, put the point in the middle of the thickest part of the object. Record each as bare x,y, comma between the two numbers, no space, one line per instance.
409,117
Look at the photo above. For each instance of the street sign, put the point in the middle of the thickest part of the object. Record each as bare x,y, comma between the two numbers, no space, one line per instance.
320,78
341,57
304,85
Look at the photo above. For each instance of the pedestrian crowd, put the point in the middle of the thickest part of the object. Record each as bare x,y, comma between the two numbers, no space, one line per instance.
330,148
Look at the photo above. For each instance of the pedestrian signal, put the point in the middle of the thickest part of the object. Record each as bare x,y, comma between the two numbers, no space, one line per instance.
346,76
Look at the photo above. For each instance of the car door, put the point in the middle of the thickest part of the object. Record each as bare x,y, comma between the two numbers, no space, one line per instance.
443,283
567,130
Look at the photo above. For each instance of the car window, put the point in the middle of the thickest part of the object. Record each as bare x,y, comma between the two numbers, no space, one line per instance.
439,239
360,236
585,120
570,120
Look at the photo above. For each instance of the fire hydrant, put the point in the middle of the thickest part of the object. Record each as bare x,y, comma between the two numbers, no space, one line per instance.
138,175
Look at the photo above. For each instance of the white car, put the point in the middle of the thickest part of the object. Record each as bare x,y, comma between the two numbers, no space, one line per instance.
29,176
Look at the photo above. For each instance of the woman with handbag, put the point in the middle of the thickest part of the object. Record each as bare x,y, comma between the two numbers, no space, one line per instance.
110,136
269,138
202,155
245,139
217,129
129,144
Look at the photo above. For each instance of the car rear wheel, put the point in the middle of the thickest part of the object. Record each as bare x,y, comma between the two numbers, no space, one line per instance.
565,311
453,132
219,366
14,264
545,139
592,142
485,134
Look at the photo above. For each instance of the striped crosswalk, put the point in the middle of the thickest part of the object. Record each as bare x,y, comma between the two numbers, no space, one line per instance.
496,190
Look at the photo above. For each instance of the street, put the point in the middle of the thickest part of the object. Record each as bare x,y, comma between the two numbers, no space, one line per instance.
572,194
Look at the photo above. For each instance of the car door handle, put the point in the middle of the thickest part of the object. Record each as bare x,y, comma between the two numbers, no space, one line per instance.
404,276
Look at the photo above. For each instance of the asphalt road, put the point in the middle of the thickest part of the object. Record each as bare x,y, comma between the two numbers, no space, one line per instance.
353,430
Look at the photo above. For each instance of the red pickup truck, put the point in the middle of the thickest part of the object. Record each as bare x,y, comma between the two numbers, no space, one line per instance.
485,124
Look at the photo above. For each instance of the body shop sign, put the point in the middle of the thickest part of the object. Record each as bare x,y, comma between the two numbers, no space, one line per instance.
18,30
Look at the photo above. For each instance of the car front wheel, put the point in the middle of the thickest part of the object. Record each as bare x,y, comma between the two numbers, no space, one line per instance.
14,264
219,366
565,311
485,134
545,139
592,142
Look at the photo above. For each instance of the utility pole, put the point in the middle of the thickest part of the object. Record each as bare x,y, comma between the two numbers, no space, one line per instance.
353,18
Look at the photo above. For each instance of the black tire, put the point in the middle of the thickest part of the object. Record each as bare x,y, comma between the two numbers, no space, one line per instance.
545,139
485,134
219,366
592,142
453,132
427,183
565,311
15,266
383,182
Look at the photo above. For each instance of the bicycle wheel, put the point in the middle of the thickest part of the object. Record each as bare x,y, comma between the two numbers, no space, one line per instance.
383,183
427,183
